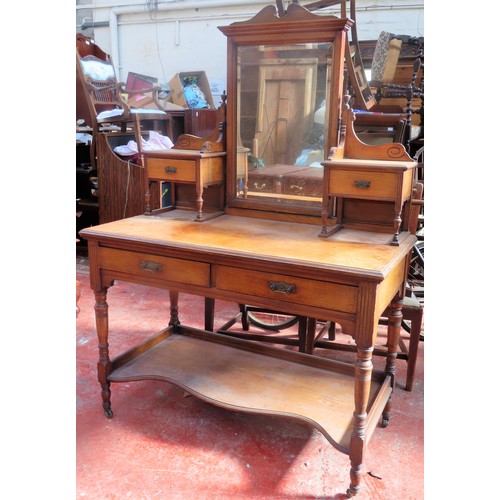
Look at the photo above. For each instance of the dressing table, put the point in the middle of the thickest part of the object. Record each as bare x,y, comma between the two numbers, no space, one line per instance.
265,251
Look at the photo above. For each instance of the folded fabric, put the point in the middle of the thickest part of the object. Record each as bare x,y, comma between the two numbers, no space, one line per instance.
111,113
96,69
156,141
83,137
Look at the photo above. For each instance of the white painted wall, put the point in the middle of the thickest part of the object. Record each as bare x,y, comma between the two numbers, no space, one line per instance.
182,35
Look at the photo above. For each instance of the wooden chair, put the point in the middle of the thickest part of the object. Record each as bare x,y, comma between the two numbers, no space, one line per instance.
375,123
103,94
384,72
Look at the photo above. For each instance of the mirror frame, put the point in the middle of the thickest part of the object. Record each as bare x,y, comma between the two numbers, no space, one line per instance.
297,26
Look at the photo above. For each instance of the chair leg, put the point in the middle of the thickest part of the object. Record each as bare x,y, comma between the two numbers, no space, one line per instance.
209,314
302,332
244,317
416,327
310,335
331,331
307,331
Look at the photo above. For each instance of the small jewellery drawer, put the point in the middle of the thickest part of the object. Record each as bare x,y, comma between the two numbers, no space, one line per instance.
361,184
171,169
154,266
337,296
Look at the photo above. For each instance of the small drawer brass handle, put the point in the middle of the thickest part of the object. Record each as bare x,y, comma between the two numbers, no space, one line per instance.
170,170
150,267
362,184
280,287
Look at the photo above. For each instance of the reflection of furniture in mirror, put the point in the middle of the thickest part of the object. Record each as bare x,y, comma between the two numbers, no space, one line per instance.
285,129
276,93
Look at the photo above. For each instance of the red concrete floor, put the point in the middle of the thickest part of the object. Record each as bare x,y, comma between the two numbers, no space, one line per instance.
161,444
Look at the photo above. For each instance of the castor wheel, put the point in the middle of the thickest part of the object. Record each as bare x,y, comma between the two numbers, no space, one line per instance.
385,422
351,492
108,412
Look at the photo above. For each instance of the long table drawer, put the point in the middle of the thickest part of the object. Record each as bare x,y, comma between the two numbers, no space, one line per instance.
165,268
171,169
314,293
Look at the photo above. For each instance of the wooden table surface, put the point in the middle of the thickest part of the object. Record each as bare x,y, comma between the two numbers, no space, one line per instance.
348,251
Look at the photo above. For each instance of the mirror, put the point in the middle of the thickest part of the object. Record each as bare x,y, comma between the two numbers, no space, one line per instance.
282,97
284,94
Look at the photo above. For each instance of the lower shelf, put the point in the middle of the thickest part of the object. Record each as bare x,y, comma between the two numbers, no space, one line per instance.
246,376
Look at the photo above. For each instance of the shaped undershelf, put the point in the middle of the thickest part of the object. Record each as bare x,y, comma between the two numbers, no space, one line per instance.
244,376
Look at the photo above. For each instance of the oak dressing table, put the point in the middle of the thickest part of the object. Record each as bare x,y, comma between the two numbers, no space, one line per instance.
265,252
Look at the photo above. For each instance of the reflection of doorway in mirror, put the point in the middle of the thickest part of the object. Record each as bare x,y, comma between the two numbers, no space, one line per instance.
285,109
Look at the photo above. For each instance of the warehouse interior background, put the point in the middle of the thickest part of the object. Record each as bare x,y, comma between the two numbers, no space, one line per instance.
38,431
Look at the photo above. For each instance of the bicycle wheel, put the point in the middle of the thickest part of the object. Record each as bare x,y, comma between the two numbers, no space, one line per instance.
416,270
271,320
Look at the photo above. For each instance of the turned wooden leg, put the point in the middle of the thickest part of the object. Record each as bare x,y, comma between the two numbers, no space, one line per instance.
199,204
416,328
324,220
148,199
363,376
104,363
397,223
174,308
393,331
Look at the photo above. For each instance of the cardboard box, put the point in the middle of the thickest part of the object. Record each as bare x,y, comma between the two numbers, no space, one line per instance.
176,85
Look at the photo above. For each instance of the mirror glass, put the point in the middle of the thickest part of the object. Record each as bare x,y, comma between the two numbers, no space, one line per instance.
282,107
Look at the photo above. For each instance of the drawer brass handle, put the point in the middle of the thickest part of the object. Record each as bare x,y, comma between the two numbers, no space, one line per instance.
362,184
150,267
170,170
280,287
